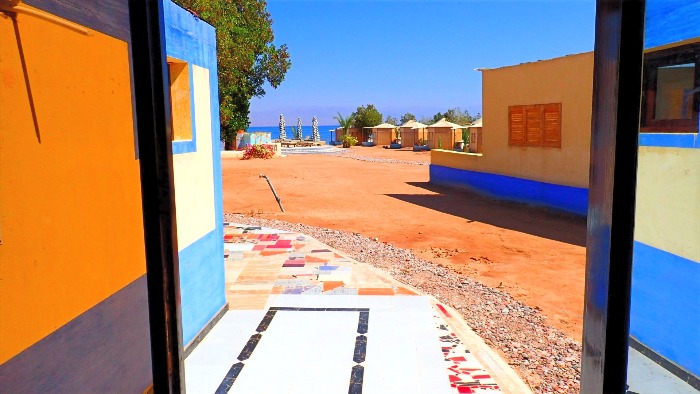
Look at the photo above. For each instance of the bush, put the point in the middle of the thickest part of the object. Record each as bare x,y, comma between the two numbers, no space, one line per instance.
258,151
348,141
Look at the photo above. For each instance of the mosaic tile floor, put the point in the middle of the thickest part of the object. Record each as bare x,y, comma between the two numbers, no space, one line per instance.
304,318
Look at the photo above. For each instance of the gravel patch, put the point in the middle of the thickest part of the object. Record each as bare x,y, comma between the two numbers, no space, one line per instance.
548,360
349,154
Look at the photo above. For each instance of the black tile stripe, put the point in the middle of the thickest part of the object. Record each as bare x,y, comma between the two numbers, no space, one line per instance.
359,353
304,309
249,347
356,379
231,376
265,322
360,349
362,323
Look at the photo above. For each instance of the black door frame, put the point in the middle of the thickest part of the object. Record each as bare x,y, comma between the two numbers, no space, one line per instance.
617,86
153,121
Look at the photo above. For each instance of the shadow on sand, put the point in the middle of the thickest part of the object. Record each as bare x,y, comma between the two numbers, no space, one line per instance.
528,219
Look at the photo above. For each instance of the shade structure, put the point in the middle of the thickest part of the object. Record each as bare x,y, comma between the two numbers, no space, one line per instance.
283,131
383,134
412,132
299,135
314,130
475,144
444,134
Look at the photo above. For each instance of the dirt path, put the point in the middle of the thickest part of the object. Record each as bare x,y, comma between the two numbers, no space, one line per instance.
536,256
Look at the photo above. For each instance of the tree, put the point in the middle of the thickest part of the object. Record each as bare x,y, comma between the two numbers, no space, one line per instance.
426,120
345,123
245,54
459,116
391,120
367,116
454,115
436,118
407,117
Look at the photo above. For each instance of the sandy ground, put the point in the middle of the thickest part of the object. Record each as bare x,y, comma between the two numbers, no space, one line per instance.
535,255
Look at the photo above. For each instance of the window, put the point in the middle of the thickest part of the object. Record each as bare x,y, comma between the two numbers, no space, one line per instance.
535,125
671,90
180,108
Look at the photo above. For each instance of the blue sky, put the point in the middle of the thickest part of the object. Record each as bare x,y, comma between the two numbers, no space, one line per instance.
409,56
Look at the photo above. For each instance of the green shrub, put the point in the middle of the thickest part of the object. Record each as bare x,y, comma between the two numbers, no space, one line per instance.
348,141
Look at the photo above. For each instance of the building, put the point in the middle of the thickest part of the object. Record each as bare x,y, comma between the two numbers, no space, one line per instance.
475,130
412,132
665,311
548,164
444,134
75,305
383,134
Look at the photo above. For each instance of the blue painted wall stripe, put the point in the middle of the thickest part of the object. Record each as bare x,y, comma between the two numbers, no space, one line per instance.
668,140
564,198
665,310
202,283
671,21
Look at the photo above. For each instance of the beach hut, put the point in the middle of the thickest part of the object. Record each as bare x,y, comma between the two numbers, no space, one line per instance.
412,132
353,131
475,136
444,134
383,134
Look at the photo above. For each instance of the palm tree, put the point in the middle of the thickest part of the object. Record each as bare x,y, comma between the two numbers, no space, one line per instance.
345,123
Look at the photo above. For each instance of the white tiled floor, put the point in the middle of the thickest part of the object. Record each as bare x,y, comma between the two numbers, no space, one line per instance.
646,377
305,352
311,352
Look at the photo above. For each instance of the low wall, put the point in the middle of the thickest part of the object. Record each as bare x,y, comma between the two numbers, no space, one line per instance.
560,197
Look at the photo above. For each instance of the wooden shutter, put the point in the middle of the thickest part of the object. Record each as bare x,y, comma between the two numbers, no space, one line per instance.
516,125
552,125
533,125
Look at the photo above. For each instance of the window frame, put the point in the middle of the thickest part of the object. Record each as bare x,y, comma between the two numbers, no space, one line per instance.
542,109
652,62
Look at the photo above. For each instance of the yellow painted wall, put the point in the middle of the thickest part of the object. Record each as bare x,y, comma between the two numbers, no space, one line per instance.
444,136
70,204
194,172
383,136
410,137
668,200
567,80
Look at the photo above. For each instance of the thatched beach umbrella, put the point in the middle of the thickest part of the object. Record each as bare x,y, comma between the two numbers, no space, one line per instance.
283,131
299,133
314,130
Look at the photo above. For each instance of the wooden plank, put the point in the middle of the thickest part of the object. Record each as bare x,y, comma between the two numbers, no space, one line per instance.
533,125
552,125
516,125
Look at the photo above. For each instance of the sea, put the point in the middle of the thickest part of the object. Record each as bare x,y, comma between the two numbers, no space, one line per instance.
327,131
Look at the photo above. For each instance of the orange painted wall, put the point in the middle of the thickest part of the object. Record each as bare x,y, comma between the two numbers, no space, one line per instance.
70,198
